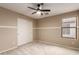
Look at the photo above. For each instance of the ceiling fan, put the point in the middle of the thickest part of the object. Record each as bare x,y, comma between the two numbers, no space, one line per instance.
40,10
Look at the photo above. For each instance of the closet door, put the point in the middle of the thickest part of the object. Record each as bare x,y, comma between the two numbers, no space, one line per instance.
24,29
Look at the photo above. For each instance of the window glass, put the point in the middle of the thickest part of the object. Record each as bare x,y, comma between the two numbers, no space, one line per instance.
69,27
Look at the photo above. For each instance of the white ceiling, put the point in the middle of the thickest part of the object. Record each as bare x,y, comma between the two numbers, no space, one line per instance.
56,8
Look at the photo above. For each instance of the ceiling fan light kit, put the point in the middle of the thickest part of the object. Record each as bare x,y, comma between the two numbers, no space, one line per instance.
39,10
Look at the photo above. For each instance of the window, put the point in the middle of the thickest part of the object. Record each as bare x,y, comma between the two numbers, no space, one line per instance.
69,27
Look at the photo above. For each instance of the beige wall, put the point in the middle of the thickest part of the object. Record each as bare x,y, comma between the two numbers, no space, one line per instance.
49,30
8,29
35,31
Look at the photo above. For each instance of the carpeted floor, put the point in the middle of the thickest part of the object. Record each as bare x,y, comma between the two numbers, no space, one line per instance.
40,49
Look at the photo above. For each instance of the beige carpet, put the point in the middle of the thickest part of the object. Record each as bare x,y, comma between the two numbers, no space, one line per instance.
40,49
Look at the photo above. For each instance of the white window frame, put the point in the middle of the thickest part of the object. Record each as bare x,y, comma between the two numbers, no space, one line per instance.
74,36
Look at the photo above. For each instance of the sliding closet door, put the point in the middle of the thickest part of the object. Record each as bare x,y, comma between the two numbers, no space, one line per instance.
24,29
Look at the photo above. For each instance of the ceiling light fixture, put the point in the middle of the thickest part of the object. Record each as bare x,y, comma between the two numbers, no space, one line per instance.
38,12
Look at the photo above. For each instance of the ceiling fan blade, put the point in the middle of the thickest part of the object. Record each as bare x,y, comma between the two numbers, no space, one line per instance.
34,12
45,10
32,8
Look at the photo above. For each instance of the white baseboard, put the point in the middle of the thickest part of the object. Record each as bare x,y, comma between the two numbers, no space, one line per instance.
8,49
13,48
73,48
24,44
